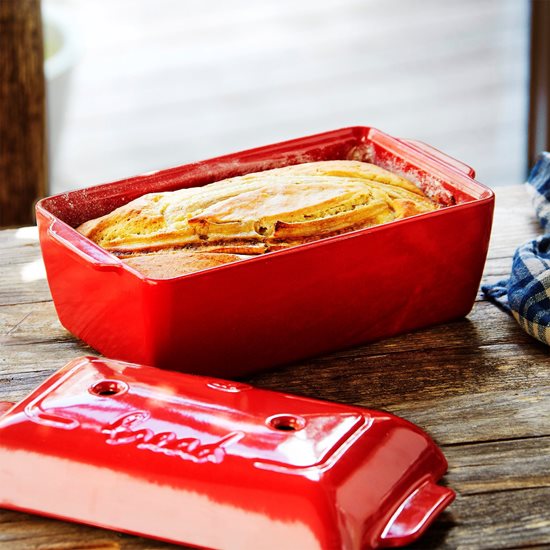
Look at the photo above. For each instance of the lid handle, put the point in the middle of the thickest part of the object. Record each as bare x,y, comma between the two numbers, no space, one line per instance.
442,157
416,513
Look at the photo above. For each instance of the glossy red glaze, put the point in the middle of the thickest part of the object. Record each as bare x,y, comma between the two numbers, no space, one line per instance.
285,305
213,463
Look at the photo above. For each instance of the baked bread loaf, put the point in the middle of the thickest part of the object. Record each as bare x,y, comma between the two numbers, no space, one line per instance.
256,213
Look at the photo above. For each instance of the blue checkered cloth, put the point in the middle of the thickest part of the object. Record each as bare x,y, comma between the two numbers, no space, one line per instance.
526,294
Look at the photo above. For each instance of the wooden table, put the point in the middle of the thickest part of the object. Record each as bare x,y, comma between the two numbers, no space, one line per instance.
479,386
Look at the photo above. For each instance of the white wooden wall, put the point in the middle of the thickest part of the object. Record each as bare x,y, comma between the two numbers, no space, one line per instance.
163,82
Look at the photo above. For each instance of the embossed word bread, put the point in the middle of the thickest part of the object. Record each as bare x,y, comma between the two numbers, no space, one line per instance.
171,233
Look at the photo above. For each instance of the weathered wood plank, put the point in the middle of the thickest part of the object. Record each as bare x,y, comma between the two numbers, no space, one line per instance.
499,465
22,273
481,416
31,322
514,221
508,519
19,531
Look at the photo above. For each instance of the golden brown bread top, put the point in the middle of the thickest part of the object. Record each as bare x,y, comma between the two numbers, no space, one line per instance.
262,211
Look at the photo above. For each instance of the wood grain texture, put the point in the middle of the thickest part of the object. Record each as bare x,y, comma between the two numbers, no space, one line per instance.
509,519
478,385
22,111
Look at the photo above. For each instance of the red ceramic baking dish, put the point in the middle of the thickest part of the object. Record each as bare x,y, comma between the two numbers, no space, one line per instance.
214,463
285,305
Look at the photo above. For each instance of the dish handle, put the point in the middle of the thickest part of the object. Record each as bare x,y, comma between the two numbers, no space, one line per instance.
86,251
438,155
415,514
